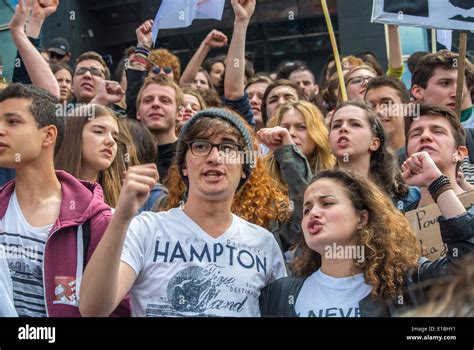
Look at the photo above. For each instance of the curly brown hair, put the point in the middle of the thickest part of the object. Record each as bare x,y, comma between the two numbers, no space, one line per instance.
259,201
390,245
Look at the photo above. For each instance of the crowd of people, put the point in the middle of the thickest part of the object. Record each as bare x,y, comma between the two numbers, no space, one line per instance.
220,191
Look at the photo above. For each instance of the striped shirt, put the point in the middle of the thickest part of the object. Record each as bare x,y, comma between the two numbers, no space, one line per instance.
24,245
468,169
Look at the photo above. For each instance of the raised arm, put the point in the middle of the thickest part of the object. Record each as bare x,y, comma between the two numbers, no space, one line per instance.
456,224
395,54
37,68
136,67
295,171
107,279
214,39
235,65
420,170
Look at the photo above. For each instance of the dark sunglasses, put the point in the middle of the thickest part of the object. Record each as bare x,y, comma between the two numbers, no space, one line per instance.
157,70
94,71
56,55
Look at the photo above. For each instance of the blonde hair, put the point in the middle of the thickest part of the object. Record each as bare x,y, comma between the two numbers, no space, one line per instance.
321,158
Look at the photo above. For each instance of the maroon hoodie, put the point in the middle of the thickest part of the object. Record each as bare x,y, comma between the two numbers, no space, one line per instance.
63,256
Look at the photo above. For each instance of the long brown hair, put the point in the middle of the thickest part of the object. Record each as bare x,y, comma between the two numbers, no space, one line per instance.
390,245
383,168
69,156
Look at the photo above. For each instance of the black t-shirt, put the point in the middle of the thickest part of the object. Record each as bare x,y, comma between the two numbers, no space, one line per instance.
165,158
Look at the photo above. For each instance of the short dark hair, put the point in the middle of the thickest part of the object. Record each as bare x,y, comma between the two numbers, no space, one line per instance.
287,67
275,84
444,59
209,62
429,110
303,69
414,58
43,107
392,82
94,56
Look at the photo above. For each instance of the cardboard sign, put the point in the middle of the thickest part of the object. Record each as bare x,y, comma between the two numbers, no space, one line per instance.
441,14
424,221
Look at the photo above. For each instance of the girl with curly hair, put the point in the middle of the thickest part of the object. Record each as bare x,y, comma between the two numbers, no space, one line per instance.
360,257
359,143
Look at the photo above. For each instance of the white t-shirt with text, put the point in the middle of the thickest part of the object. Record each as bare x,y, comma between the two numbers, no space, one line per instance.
325,296
7,309
183,271
24,245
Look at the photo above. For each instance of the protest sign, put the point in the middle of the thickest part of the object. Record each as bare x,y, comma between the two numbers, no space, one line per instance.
182,13
424,221
441,14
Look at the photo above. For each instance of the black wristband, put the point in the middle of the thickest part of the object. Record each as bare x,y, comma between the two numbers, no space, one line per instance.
441,183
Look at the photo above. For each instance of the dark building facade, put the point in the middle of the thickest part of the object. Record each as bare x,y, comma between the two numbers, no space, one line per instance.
280,30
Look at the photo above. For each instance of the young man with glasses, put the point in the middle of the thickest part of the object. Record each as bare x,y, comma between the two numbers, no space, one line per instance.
195,260
91,84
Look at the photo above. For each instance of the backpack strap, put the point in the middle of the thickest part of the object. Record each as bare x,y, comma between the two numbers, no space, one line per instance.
86,239
470,143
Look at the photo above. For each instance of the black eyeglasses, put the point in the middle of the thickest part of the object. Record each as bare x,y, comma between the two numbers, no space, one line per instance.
55,55
157,70
227,150
94,71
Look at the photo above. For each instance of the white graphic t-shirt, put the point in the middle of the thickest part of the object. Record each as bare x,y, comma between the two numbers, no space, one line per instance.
24,246
325,296
182,271
7,309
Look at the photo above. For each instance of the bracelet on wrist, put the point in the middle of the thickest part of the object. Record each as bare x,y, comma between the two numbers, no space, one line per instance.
144,47
438,186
